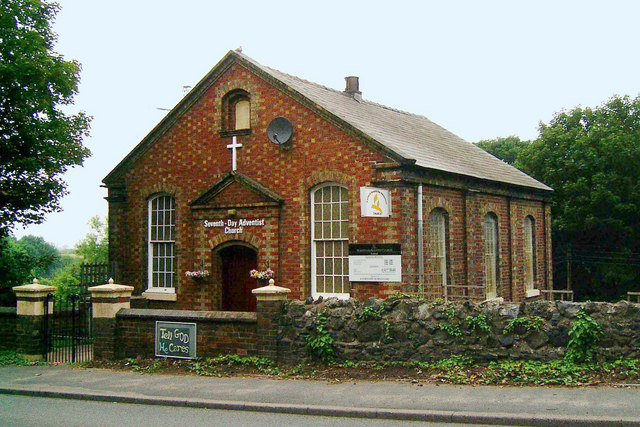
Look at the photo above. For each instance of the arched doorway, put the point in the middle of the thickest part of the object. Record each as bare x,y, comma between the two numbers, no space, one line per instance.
237,261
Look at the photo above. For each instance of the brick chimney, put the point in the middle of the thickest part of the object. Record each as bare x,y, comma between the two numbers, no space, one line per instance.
353,87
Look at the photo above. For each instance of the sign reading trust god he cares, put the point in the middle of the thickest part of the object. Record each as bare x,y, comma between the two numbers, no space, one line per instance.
176,340
375,202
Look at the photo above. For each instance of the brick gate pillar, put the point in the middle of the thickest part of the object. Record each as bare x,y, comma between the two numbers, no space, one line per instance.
270,300
30,318
106,301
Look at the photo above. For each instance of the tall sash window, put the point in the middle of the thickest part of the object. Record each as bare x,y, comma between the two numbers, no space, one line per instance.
162,265
529,253
438,247
330,241
491,255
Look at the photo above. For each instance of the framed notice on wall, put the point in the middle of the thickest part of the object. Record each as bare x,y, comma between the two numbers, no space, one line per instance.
375,262
176,340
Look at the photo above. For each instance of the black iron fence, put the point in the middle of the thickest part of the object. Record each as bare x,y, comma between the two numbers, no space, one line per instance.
68,329
96,274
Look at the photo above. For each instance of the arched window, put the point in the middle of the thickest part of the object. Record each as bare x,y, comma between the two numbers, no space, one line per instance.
242,114
491,272
236,108
330,241
529,253
438,243
161,239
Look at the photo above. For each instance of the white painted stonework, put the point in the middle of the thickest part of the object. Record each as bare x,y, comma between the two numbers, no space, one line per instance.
271,292
104,310
33,290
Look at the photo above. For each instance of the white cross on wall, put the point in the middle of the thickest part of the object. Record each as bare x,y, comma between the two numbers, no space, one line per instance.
234,153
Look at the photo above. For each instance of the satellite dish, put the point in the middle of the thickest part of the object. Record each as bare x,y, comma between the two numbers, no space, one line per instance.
280,131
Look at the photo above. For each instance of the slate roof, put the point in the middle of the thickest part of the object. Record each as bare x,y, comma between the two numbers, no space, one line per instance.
409,136
412,136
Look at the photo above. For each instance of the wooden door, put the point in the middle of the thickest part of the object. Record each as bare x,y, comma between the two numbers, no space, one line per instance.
237,261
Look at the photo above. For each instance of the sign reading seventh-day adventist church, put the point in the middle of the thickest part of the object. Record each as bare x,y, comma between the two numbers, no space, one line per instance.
233,226
177,340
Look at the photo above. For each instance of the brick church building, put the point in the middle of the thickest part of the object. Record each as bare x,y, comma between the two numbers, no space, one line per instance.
339,196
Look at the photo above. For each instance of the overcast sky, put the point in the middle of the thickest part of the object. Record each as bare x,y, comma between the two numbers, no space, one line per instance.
481,69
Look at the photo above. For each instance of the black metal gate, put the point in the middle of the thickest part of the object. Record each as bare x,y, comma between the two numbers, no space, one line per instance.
68,329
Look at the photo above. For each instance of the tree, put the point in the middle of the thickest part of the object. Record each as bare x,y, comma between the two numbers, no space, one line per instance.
591,158
94,247
38,141
14,268
44,258
506,149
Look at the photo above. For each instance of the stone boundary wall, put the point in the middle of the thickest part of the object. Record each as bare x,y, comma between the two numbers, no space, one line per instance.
410,329
218,332
8,326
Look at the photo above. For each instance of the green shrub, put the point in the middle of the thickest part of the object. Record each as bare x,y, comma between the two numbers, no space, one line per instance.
528,323
13,358
583,337
371,313
453,363
320,342
478,324
452,326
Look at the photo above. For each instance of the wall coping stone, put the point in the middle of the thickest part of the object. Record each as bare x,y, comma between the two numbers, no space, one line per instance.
271,292
34,288
8,311
188,315
110,288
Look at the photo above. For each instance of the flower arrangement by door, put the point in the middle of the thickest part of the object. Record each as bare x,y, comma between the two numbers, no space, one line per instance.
262,276
199,274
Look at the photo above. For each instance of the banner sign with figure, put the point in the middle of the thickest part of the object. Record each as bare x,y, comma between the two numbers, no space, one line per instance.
375,202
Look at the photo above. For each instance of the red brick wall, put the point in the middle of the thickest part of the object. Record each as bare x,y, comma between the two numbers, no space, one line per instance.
8,321
228,333
192,156
466,212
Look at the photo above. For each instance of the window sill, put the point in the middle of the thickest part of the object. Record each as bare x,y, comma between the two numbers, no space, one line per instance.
160,296
533,293
238,132
494,299
327,296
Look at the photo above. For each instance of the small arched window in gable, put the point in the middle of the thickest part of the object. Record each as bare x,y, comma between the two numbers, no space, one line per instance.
242,114
236,112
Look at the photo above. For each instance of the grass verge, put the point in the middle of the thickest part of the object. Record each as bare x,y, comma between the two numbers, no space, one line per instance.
454,370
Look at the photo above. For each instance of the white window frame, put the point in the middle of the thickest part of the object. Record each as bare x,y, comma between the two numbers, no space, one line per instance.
438,245
529,254
345,248
161,240
491,255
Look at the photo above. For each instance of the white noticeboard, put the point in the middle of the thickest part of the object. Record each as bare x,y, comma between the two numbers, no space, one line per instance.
375,263
375,202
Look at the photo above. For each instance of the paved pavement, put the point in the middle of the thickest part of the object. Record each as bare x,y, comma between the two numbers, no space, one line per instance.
383,399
